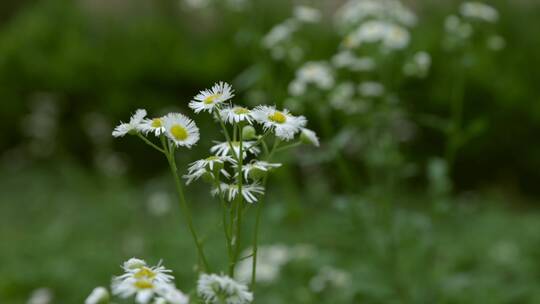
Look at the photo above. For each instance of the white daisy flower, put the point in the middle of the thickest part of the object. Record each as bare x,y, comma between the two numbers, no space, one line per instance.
140,280
196,174
132,126
284,124
318,73
230,192
181,130
224,148
154,125
236,114
214,289
208,99
255,167
171,295
210,162
310,137
99,295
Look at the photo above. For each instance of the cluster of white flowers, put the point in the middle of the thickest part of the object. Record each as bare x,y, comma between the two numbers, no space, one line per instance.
329,277
389,35
355,12
221,289
460,29
145,283
225,155
346,59
280,40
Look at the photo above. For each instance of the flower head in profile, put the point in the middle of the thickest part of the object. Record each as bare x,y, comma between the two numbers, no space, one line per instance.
208,99
236,114
257,168
310,137
214,289
224,148
230,191
99,295
181,130
131,126
154,125
284,124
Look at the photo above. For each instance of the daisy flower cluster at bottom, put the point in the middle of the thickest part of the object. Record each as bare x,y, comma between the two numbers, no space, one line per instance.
147,282
214,289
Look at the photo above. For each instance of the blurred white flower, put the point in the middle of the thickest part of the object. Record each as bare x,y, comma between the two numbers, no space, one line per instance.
171,295
159,203
419,65
479,10
41,296
390,36
317,73
132,126
354,12
310,137
455,26
224,148
371,89
496,43
208,99
284,124
236,114
215,289
347,60
307,14
210,162
270,260
280,33
329,277
99,295
181,130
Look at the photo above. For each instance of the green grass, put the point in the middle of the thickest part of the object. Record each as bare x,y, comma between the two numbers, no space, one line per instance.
66,229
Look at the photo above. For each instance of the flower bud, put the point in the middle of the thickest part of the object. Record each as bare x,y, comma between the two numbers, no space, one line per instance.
309,137
248,132
99,295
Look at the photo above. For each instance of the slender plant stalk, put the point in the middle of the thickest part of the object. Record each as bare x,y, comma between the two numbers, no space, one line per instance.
258,219
239,205
185,208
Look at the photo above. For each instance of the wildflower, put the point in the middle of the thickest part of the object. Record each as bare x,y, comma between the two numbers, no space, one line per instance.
455,26
208,99
355,12
280,33
154,125
257,168
140,280
309,137
307,14
329,276
41,296
480,11
390,35
236,114
318,73
130,127
347,60
224,148
210,162
171,295
181,130
419,65
214,289
282,122
270,260
99,295
371,89
249,192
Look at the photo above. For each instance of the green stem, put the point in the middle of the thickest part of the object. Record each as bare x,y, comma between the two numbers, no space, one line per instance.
258,220
151,144
239,206
185,208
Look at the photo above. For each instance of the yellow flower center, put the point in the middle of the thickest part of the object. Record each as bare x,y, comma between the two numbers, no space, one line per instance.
143,284
278,117
241,110
179,132
210,99
156,123
144,272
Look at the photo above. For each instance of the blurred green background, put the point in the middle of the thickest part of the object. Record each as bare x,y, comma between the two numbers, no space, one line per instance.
400,225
